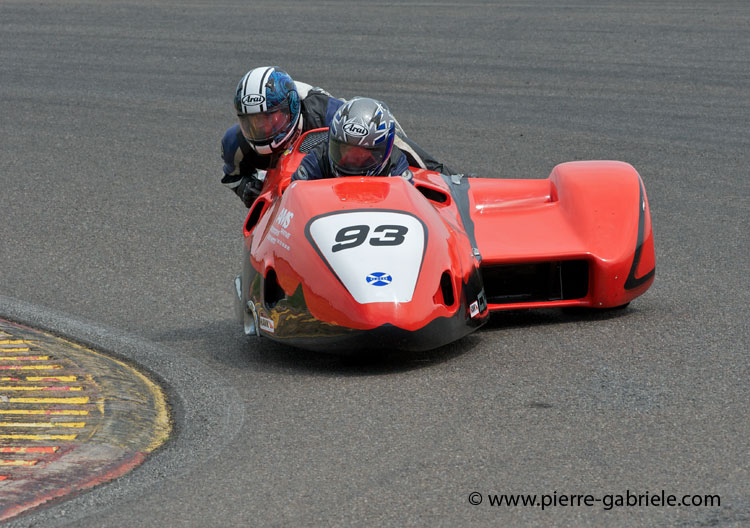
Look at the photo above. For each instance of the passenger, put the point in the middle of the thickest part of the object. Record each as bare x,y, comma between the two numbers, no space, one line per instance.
360,142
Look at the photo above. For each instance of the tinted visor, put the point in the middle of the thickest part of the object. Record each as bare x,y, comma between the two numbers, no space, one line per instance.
266,125
354,160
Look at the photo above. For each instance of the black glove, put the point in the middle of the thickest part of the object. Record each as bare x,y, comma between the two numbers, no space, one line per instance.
249,189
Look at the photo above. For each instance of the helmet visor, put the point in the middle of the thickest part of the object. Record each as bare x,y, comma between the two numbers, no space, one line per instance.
265,125
354,160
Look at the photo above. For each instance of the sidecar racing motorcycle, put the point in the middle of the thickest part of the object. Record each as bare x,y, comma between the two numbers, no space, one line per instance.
354,263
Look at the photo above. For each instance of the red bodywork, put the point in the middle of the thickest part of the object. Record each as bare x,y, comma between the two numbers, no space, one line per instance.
596,211
582,237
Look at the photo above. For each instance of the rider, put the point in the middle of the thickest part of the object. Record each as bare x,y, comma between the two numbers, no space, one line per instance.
272,110
360,143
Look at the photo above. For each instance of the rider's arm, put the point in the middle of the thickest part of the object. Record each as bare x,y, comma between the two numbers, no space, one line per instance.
240,177
309,168
401,168
232,156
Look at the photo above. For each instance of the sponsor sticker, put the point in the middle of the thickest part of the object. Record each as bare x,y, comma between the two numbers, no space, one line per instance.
482,300
267,324
473,310
278,242
278,234
273,238
284,218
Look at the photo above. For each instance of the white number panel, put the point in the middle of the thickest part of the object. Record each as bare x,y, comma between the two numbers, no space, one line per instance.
377,255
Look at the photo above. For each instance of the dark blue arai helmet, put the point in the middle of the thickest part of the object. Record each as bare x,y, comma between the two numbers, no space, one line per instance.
268,108
360,138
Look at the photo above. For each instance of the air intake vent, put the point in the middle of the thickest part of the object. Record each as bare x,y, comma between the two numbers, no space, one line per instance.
254,216
536,281
312,140
272,292
432,194
446,286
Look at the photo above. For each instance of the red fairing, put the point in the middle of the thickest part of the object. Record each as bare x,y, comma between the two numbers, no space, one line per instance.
282,241
593,211
378,262
296,259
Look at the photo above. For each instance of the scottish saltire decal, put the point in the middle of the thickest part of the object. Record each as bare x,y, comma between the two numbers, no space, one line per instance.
379,278
377,255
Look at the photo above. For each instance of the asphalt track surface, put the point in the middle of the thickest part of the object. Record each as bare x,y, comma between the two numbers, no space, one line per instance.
114,229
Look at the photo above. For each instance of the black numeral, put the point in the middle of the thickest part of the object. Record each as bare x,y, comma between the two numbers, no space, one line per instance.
350,237
384,235
391,235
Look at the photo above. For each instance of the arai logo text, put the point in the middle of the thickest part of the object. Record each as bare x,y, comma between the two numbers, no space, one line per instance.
355,129
253,99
